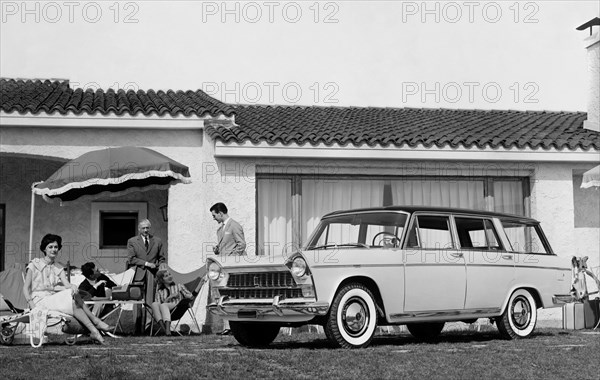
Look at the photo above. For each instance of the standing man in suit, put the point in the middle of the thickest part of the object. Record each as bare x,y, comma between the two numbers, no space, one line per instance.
147,254
230,234
145,251
230,240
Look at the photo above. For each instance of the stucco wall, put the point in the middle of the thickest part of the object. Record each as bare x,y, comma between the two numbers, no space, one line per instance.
552,204
554,191
587,221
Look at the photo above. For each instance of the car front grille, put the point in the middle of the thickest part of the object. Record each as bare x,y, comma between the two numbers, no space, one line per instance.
261,285
240,294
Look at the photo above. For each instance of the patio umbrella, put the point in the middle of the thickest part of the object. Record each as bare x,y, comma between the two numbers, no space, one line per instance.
109,172
112,171
591,178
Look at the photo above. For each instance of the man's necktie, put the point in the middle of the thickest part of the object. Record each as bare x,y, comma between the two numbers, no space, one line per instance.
146,242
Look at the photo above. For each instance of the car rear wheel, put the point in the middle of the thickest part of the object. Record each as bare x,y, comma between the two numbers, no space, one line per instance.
352,318
519,317
425,331
252,334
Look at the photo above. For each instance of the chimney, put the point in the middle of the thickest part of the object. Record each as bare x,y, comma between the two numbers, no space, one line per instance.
592,45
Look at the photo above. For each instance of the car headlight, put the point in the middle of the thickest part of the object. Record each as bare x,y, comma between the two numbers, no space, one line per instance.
214,271
298,267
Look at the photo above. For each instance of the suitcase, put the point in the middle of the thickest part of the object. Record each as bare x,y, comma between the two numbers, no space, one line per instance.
127,292
591,313
573,317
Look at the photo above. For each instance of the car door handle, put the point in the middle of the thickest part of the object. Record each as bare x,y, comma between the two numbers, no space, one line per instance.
456,254
507,257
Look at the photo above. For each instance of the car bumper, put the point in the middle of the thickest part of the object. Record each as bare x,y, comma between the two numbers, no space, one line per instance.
269,310
561,299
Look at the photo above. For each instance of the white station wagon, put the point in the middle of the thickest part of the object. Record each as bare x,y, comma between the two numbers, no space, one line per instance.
413,266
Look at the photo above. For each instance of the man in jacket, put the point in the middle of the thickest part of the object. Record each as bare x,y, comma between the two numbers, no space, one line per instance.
230,240
146,253
230,235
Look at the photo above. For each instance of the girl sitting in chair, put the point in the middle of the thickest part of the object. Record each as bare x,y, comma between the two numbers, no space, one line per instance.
168,295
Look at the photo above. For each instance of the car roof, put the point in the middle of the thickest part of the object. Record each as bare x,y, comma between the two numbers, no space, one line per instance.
450,210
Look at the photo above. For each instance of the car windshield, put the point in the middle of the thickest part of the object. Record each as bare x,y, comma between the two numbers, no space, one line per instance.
360,230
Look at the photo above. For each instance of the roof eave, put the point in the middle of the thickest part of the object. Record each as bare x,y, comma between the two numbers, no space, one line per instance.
419,152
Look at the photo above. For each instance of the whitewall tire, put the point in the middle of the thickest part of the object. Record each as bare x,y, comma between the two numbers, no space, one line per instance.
519,317
352,318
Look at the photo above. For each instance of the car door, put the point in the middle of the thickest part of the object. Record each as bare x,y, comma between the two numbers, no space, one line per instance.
434,270
490,267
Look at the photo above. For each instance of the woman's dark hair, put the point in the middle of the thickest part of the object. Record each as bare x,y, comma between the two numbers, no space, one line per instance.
50,238
88,269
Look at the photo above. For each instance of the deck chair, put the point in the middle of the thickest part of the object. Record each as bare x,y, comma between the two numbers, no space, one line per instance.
193,281
15,314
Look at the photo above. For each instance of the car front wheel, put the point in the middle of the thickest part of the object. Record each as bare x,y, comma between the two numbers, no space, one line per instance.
252,334
519,317
352,318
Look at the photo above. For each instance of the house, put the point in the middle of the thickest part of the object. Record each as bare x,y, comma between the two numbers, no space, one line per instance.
280,168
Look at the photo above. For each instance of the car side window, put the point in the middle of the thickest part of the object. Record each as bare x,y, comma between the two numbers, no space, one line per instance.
524,237
476,233
430,232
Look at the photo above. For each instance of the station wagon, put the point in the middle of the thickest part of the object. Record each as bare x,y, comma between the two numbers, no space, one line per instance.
414,266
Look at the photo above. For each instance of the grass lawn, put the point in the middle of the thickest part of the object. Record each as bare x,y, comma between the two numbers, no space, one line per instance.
550,354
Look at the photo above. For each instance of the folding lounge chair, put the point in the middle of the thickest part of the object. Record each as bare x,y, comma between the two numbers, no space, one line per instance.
193,281
14,313
39,321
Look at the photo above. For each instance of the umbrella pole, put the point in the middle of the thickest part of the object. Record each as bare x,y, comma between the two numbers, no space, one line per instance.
31,224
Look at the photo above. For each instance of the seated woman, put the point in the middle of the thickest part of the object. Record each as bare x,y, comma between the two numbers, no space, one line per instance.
46,287
168,295
95,285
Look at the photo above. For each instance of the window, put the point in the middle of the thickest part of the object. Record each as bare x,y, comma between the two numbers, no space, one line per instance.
525,238
116,228
476,233
112,224
430,232
289,207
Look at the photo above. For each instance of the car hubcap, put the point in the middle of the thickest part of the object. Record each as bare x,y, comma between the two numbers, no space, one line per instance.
355,316
521,312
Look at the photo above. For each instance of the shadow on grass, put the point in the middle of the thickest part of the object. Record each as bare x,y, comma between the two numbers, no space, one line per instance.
320,342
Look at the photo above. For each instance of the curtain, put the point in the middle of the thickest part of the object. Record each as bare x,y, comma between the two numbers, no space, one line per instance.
508,197
274,216
449,192
320,197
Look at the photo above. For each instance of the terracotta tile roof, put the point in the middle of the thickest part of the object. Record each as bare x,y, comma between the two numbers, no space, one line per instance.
313,125
36,96
406,127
